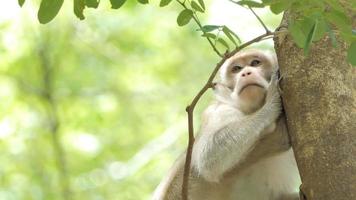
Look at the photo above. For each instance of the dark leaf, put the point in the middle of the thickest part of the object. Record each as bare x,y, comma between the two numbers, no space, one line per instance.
115,4
48,10
143,1
202,4
21,2
79,6
340,20
209,35
297,34
92,3
267,2
310,38
184,17
230,34
335,4
164,3
196,7
332,36
209,28
321,29
224,43
280,6
249,3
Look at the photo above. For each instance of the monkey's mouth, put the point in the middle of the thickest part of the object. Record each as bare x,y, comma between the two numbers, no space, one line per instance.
247,85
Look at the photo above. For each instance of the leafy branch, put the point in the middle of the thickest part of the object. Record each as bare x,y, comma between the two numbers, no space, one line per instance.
187,14
314,19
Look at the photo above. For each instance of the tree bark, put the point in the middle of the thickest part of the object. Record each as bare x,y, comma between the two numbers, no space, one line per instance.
319,93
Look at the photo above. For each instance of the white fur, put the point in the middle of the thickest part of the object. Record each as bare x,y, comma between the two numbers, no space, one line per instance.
267,179
227,135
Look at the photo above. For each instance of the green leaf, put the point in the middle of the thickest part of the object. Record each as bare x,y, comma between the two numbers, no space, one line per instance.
351,54
209,28
335,4
115,4
300,29
21,2
48,10
234,34
267,2
196,7
321,29
202,4
280,6
310,38
164,3
349,36
209,35
224,43
143,1
332,36
249,3
79,6
230,34
92,3
184,17
297,34
340,20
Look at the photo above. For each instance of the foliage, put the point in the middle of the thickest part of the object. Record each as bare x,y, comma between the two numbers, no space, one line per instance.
314,19
110,94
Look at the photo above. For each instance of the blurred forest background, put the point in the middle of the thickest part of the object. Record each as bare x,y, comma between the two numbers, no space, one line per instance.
98,106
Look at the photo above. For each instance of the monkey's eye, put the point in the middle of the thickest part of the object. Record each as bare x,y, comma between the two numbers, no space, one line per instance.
236,69
255,62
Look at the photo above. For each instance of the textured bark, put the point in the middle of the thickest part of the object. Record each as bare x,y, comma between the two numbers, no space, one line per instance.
319,93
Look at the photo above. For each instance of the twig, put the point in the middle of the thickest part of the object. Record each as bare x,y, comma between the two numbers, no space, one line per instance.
191,106
259,19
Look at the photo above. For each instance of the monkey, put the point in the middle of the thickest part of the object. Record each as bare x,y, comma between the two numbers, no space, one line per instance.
242,151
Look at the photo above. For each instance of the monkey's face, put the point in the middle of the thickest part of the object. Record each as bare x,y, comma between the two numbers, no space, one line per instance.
248,74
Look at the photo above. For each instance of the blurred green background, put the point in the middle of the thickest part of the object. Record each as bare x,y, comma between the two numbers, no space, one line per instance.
97,107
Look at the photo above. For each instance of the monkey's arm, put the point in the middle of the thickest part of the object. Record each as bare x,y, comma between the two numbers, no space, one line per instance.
218,151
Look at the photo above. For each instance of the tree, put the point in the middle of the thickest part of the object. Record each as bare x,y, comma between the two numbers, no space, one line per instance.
319,96
316,141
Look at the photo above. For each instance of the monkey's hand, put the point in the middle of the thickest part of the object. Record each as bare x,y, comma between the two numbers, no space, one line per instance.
273,99
223,93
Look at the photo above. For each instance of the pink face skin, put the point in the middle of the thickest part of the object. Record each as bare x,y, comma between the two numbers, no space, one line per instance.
248,74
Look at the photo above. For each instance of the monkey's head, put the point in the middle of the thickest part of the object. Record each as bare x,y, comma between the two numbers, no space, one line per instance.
248,73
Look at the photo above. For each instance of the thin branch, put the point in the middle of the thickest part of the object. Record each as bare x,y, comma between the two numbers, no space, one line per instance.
54,123
191,106
259,19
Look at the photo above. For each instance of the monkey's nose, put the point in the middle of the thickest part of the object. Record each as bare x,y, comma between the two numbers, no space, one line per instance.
245,74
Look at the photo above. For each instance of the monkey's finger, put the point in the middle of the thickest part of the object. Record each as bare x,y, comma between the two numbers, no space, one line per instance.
213,85
280,78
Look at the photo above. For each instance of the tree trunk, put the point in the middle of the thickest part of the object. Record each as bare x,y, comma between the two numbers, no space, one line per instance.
319,93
